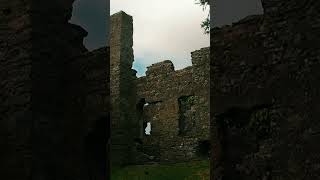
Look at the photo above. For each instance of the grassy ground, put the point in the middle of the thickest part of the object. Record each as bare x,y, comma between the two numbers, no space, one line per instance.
196,170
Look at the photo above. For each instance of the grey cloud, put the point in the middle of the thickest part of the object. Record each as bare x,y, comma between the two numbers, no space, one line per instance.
165,29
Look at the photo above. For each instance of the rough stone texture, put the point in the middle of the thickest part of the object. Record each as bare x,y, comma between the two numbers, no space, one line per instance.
87,97
177,106
122,89
53,95
265,94
175,102
15,89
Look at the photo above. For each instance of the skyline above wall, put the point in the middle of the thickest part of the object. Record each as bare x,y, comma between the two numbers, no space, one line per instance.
92,16
164,30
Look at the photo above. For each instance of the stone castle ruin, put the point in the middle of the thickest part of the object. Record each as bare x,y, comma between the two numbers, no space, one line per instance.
175,103
55,99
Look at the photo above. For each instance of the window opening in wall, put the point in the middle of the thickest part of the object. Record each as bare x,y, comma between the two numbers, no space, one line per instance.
186,115
139,107
141,104
203,148
7,11
148,129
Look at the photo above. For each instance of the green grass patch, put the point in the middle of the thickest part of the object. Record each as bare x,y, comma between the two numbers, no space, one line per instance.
195,170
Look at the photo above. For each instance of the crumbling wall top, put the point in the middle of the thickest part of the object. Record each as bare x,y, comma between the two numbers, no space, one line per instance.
200,57
163,67
120,13
121,37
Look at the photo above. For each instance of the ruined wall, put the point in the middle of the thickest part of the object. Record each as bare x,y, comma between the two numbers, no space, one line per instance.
87,111
265,94
122,89
47,96
56,146
176,103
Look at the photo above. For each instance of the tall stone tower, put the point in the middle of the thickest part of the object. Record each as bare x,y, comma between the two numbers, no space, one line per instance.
123,94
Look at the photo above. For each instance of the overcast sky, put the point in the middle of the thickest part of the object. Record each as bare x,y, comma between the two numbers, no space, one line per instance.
163,29
92,15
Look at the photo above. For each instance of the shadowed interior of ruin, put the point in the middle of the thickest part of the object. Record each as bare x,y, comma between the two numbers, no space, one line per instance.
203,148
186,117
95,149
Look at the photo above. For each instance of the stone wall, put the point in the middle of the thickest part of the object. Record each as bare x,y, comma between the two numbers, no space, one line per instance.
176,103
87,111
15,89
56,139
53,94
265,94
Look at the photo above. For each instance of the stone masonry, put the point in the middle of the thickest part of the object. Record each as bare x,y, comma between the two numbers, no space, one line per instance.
176,103
264,97
265,94
53,95
177,106
122,88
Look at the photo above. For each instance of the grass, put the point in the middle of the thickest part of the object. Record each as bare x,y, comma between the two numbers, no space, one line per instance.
196,170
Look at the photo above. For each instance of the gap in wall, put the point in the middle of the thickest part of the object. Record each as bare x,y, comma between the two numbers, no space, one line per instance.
148,129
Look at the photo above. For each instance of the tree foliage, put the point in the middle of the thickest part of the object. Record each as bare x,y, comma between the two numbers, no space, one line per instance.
203,3
206,23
